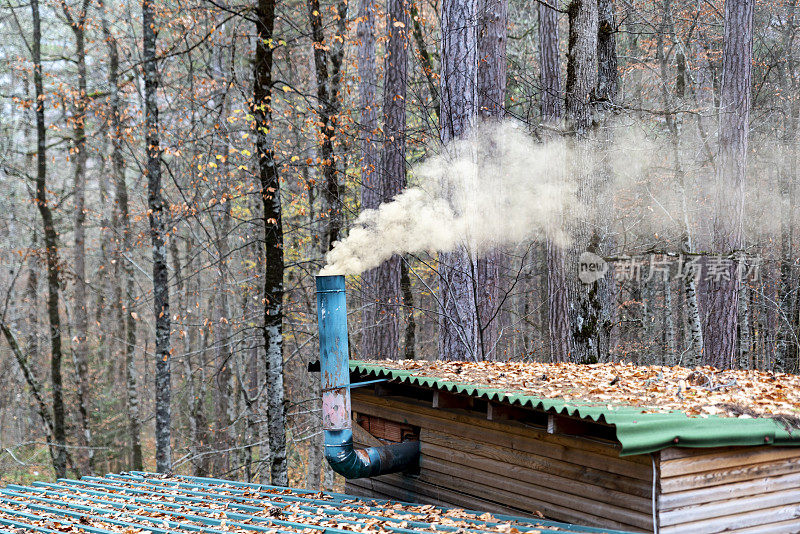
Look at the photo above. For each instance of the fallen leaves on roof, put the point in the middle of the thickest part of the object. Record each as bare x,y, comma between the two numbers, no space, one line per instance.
701,391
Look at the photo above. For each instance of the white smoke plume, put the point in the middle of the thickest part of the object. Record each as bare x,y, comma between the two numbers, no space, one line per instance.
499,186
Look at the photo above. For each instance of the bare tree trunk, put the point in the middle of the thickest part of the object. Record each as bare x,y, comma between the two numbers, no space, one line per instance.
605,97
316,442
32,297
51,251
425,56
694,320
104,277
788,190
585,304
492,29
196,364
371,179
731,169
80,349
458,315
273,240
393,174
125,301
551,104
36,387
225,397
670,344
328,85
410,341
607,74
744,357
552,110
156,216
581,65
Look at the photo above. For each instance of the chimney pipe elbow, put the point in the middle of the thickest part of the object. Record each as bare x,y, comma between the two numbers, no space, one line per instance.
351,463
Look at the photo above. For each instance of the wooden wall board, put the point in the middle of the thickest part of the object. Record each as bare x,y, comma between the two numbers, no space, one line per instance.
736,522
716,477
723,492
711,459
791,526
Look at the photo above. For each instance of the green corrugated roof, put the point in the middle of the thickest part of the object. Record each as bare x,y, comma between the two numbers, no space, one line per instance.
637,432
160,504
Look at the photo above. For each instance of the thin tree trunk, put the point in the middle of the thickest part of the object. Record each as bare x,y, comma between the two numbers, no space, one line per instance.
731,170
273,241
196,345
328,86
104,277
80,349
694,319
156,216
125,301
51,251
425,56
670,344
226,397
744,357
32,298
409,345
788,189
36,387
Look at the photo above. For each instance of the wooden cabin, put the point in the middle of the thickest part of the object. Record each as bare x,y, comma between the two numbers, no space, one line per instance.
487,450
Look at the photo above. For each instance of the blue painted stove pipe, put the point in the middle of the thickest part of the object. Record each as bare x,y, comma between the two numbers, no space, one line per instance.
334,358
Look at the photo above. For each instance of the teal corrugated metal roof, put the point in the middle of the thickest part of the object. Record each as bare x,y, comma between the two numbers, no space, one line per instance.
141,502
637,432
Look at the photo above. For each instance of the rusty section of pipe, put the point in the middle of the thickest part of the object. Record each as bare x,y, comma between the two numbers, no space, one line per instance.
337,423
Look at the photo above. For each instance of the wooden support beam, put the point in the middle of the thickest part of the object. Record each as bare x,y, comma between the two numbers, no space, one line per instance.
442,399
504,412
559,424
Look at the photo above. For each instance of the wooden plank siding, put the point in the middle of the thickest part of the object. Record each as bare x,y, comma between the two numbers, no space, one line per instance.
504,460
729,489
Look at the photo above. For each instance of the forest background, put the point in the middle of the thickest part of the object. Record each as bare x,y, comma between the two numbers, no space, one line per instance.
176,172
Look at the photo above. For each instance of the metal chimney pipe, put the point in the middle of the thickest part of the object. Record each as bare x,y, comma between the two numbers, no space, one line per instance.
337,422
